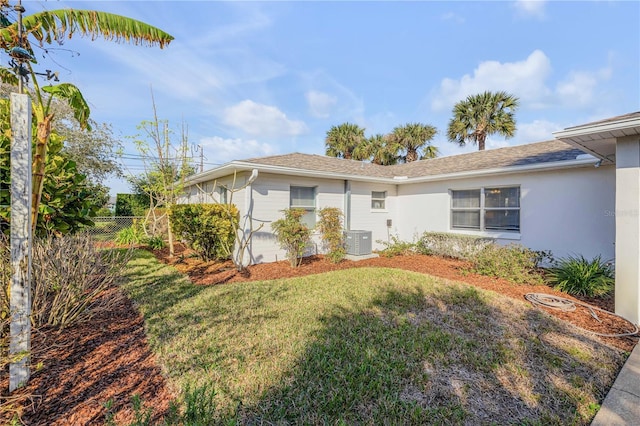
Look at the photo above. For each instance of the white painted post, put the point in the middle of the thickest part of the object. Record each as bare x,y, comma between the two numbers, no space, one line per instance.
627,294
21,238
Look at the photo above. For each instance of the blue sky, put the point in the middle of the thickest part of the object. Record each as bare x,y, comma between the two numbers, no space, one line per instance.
264,78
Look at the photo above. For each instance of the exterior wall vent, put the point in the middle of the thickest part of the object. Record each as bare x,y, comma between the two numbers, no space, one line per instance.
358,243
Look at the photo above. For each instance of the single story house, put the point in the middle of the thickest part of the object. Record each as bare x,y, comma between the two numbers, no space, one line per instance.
559,195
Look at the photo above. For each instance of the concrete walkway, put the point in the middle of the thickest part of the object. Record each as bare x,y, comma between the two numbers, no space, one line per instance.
622,404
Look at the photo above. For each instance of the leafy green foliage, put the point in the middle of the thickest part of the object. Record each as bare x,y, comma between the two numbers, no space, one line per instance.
458,246
482,115
130,235
514,263
330,226
292,234
132,204
579,276
68,201
207,228
155,243
396,247
415,140
406,143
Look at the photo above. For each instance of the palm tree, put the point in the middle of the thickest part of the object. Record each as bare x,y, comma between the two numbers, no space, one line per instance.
379,150
413,138
55,27
481,115
342,140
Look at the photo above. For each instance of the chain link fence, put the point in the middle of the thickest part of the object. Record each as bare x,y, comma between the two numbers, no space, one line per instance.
107,227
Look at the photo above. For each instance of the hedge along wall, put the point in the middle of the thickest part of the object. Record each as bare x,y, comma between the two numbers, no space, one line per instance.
206,228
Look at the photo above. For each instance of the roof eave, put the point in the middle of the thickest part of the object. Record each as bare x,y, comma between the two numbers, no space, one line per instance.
241,166
538,167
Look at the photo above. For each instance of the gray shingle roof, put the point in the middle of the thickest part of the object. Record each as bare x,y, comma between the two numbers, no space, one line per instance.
541,152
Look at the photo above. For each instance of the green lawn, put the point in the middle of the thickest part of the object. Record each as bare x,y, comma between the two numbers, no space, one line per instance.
369,346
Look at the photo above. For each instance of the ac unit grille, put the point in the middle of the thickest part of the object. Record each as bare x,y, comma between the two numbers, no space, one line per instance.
358,243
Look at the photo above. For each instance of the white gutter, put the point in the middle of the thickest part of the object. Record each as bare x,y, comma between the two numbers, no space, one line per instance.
590,129
397,180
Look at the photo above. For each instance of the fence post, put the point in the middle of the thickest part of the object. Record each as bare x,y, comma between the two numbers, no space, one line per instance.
21,239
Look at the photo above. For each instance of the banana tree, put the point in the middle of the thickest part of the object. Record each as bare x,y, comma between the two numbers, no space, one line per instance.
56,26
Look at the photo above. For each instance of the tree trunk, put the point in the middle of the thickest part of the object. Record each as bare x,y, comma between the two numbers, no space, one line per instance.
481,139
39,163
412,155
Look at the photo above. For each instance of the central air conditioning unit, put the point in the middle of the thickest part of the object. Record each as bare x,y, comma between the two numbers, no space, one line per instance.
358,243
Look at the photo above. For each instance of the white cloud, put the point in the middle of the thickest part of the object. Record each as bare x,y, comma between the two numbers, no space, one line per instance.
577,90
450,16
524,79
264,120
536,131
220,150
320,103
531,8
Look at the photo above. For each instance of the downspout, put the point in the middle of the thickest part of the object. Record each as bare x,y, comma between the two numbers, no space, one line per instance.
347,205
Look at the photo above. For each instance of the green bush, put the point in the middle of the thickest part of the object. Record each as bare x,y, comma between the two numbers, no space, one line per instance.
206,228
514,262
155,242
451,245
330,226
130,235
581,277
292,234
396,247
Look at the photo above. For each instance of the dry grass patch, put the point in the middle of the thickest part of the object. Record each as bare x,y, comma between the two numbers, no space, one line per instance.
373,346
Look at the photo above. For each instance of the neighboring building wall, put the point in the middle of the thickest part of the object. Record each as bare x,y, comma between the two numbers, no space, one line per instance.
568,211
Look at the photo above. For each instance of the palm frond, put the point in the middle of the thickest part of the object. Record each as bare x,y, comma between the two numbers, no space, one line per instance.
57,25
76,101
7,76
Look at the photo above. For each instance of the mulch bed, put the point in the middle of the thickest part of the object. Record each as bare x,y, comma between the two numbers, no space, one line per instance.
108,358
86,365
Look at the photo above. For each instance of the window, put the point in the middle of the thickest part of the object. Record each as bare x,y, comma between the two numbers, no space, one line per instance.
486,209
304,198
222,195
378,200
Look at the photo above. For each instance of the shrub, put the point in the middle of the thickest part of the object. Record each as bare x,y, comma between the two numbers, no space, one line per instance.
206,228
451,245
130,235
69,273
155,242
396,247
581,277
292,234
330,226
513,262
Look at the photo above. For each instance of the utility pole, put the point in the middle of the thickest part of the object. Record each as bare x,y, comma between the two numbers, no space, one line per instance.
200,150
21,231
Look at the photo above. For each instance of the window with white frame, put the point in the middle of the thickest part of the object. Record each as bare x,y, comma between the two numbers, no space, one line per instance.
303,197
378,200
486,209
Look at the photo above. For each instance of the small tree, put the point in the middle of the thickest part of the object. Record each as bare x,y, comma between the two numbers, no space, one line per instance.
292,234
330,225
166,167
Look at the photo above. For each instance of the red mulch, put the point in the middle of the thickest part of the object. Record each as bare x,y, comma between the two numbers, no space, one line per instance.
86,365
108,358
